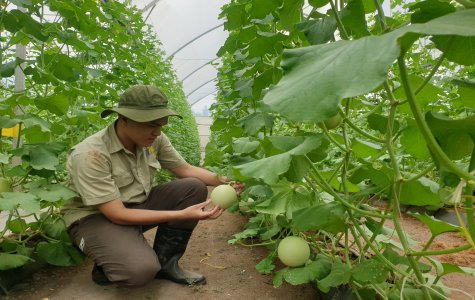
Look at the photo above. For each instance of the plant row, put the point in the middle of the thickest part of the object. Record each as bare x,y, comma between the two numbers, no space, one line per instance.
339,116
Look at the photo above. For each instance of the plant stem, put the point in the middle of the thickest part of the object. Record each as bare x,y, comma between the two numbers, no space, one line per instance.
377,252
427,245
321,181
331,138
424,128
346,159
441,252
346,250
421,174
343,33
432,72
396,192
359,130
2,234
355,235
381,16
468,200
466,3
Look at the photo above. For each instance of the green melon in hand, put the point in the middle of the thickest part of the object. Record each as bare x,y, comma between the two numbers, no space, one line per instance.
224,196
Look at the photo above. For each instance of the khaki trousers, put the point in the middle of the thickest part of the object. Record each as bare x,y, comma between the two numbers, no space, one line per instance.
121,250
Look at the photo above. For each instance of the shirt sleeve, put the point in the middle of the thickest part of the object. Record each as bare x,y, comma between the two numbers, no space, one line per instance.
92,177
167,155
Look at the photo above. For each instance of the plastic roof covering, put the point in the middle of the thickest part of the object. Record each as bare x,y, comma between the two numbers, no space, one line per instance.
191,34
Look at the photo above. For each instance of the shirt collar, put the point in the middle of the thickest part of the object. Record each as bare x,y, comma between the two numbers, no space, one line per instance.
114,144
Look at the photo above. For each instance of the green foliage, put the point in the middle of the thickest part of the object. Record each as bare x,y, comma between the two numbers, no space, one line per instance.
79,58
403,85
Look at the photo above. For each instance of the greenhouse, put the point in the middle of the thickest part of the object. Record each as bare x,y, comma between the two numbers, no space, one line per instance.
239,149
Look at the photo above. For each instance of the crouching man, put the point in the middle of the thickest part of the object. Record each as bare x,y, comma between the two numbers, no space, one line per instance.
113,172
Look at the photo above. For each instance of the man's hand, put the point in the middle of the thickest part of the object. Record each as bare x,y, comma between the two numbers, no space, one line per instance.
238,187
198,212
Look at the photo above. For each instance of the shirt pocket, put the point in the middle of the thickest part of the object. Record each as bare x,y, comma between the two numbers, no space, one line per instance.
122,178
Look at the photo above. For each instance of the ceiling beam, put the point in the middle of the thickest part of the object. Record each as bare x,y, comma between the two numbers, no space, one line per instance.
199,87
152,4
194,39
199,100
199,68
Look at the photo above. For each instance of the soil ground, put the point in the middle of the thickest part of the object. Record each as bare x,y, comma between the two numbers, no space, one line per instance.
461,286
230,271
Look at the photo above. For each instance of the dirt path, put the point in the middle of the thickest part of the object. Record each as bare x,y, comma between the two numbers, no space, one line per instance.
229,269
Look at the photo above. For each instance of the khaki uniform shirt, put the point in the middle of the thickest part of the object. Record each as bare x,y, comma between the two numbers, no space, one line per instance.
101,170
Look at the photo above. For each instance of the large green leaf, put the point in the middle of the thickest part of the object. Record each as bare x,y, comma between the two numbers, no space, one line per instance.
413,142
7,122
286,200
62,66
54,193
456,137
42,158
298,168
318,31
17,225
318,3
380,123
25,22
32,121
59,253
466,91
413,293
262,8
255,122
381,177
10,261
245,145
421,192
269,169
4,158
425,11
353,18
8,69
329,217
427,95
13,200
363,149
339,275
290,13
235,15
437,227
57,104
317,78
370,271
265,43
458,49
311,272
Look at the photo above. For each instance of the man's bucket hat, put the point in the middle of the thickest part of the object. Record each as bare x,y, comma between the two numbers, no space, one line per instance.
142,103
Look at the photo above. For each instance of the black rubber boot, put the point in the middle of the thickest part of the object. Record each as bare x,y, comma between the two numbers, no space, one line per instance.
170,245
99,277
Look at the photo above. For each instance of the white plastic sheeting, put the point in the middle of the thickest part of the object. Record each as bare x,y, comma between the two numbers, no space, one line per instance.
191,34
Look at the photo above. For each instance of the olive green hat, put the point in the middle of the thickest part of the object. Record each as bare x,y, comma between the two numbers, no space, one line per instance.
142,103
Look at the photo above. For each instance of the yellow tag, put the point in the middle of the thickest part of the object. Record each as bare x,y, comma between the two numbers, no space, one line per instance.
12,131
